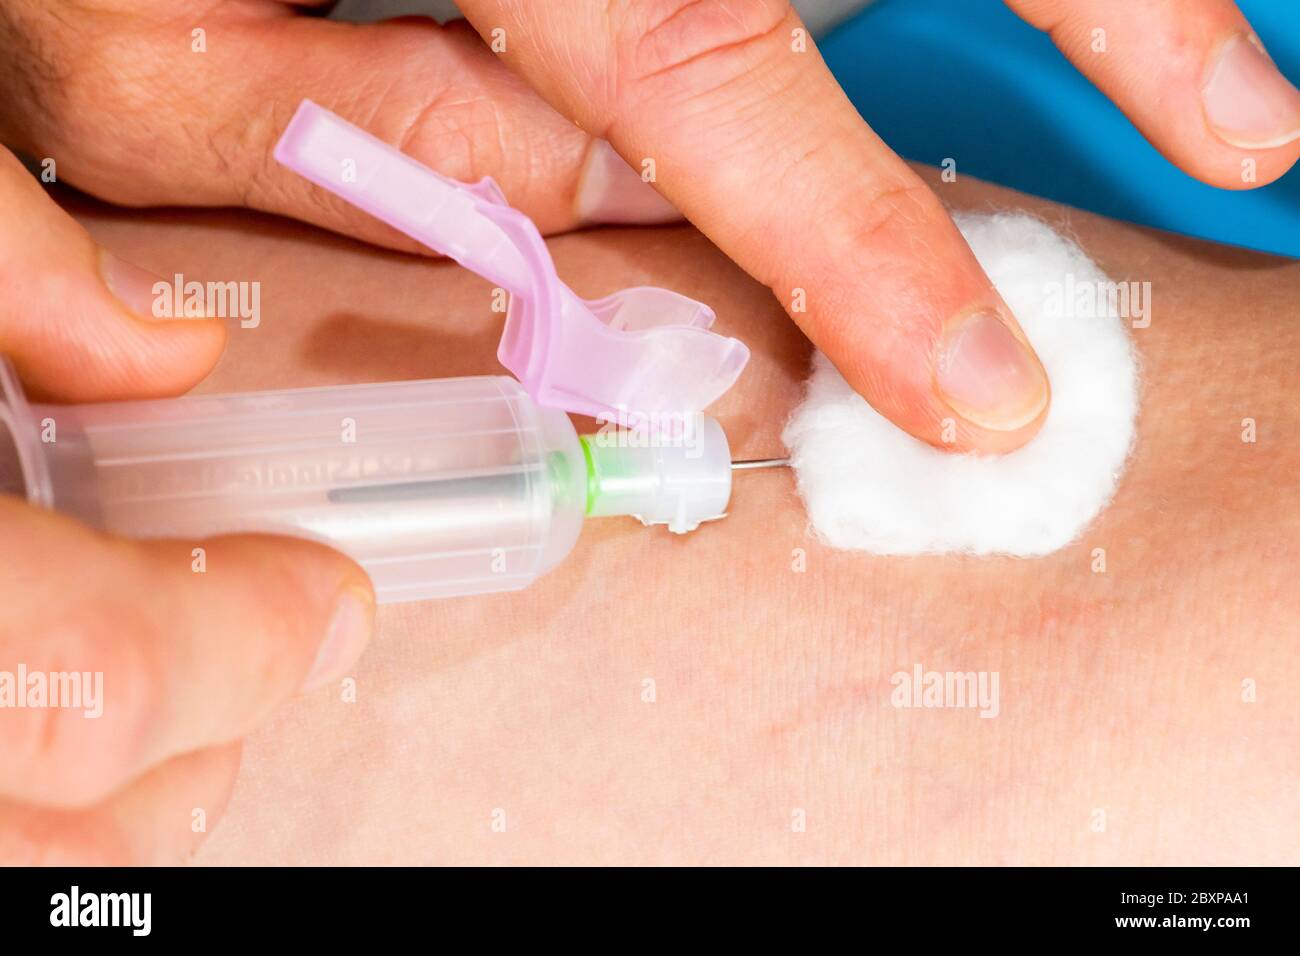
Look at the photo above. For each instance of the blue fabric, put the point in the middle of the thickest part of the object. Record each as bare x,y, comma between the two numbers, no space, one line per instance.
968,79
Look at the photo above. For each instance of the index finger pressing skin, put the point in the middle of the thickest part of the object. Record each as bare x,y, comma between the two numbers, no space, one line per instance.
749,135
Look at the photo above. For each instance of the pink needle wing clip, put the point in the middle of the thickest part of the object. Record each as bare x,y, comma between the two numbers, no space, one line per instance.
638,354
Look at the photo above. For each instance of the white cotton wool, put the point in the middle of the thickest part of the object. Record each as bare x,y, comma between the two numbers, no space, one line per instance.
870,486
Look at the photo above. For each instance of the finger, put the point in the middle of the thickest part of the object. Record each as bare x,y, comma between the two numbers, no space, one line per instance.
454,107
170,655
897,345
76,320
437,91
754,141
1192,76
158,820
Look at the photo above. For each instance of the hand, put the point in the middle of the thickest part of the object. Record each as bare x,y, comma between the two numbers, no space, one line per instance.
147,101
175,665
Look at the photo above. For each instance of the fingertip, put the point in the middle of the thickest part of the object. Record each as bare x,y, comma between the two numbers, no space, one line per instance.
247,617
610,192
1241,170
176,350
80,322
1248,103
102,343
960,435
978,386
350,627
320,595
1192,76
989,375
184,352
1251,112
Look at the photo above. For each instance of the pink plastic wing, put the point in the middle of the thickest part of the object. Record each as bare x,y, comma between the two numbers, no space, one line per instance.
640,352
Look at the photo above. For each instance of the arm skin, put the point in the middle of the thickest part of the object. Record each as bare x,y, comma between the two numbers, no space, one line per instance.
1121,693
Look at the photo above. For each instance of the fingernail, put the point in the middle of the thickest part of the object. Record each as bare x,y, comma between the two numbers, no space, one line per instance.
1248,102
134,287
349,629
988,376
611,191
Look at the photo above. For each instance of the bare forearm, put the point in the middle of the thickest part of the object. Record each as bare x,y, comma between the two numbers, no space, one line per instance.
669,700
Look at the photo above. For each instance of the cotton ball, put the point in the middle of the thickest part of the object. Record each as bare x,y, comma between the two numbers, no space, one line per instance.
869,486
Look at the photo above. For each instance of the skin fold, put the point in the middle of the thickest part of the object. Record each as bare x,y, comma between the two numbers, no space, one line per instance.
1147,714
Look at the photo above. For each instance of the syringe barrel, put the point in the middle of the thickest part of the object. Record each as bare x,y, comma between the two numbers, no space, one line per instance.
437,488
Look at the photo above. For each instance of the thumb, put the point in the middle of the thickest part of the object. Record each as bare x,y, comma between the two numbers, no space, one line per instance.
753,140
188,657
75,319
